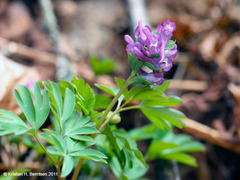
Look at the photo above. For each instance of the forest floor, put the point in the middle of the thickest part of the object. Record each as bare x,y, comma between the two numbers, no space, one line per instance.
206,73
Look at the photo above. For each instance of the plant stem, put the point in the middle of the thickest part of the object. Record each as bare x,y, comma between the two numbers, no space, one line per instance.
114,113
48,155
59,172
129,108
107,121
58,168
114,101
75,174
103,118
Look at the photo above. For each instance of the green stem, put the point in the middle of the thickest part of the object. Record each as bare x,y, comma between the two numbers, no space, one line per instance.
114,113
107,121
58,168
129,108
115,99
103,118
48,155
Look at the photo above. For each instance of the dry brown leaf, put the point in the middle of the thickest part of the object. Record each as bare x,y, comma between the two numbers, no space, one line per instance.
17,21
12,74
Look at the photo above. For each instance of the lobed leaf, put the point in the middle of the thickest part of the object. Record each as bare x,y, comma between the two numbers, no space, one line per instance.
102,102
24,100
162,116
67,166
69,104
58,141
162,101
105,89
90,154
11,124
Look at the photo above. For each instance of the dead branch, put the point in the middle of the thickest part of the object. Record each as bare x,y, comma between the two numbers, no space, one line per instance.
27,52
188,85
208,134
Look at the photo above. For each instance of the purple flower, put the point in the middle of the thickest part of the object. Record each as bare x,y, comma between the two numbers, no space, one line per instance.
30,86
151,47
155,77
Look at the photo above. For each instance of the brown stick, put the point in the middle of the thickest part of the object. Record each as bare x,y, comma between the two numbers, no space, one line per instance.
48,58
208,134
188,85
32,165
27,52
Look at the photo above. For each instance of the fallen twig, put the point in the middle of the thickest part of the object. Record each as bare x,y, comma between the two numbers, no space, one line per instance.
208,134
188,85
27,52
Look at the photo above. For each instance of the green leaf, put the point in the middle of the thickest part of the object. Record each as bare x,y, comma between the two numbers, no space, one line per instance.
167,145
112,138
37,115
150,66
55,124
102,102
156,119
136,172
24,100
123,156
80,126
146,94
55,151
69,104
142,92
139,80
90,154
163,86
161,115
170,44
67,166
63,85
162,101
58,141
181,157
76,145
85,98
156,147
162,150
82,138
131,152
120,83
105,89
47,138
83,130
192,146
11,123
62,110
145,132
42,107
103,66
134,63
58,98
11,117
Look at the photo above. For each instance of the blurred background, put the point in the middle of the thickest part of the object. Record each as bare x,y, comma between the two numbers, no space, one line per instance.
42,39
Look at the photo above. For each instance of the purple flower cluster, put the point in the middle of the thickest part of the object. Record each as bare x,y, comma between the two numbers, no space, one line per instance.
151,47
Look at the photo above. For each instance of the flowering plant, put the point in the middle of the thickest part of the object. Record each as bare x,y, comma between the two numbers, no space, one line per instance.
85,124
154,48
